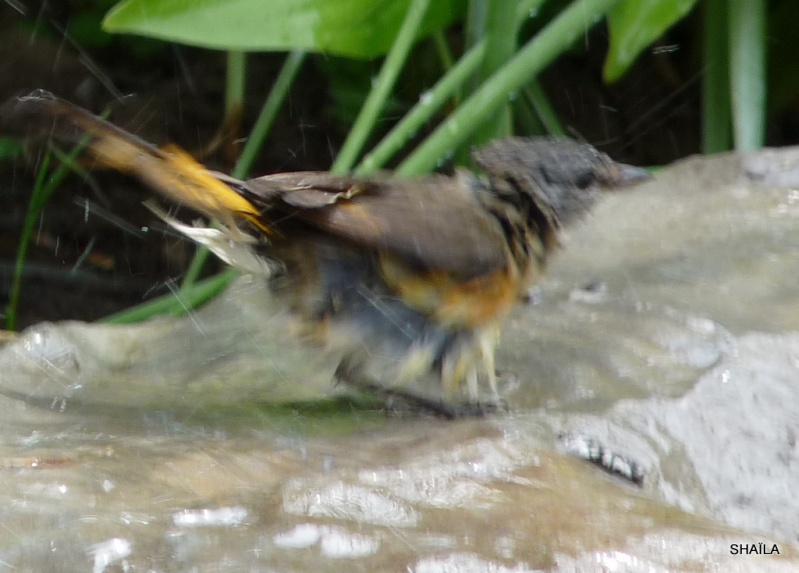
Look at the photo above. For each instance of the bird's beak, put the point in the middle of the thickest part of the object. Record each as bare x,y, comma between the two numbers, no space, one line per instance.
629,174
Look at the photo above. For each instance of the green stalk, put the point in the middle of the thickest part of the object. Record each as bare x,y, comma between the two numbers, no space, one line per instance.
176,305
538,100
556,37
34,207
195,267
476,21
423,111
443,51
475,32
716,114
234,103
236,82
263,124
447,61
500,33
431,102
376,100
747,19
525,119
42,190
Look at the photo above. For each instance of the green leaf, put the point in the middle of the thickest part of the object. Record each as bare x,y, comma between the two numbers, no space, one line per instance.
634,25
354,28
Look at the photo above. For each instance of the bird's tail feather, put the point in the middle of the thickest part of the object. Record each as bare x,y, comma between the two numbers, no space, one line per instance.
169,170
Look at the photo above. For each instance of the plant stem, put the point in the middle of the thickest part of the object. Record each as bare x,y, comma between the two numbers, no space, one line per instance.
236,82
747,42
500,33
263,124
376,99
277,95
432,101
43,188
171,304
34,207
429,104
558,35
234,103
538,100
716,115
443,51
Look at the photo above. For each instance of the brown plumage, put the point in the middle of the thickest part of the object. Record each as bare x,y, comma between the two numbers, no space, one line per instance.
402,276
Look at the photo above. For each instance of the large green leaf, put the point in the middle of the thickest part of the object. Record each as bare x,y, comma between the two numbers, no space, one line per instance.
355,28
634,25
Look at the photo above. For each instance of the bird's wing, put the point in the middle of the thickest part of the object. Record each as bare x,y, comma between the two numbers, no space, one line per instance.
434,222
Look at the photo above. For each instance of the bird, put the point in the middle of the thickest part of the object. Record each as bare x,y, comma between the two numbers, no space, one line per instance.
403,278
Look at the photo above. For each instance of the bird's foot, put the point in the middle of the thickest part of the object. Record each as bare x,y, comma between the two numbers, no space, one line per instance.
396,398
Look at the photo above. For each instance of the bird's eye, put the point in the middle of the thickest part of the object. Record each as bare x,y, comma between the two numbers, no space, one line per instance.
584,179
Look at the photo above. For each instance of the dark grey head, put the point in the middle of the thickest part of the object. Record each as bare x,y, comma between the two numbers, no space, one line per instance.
561,176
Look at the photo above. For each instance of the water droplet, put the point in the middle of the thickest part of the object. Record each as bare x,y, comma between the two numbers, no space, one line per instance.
665,49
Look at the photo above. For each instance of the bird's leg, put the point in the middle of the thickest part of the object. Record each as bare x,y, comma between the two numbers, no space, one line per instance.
459,367
487,344
351,372
468,363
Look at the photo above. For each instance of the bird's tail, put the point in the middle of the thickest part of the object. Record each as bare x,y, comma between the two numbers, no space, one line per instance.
168,170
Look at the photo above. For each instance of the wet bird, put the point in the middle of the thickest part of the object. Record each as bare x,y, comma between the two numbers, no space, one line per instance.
402,277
